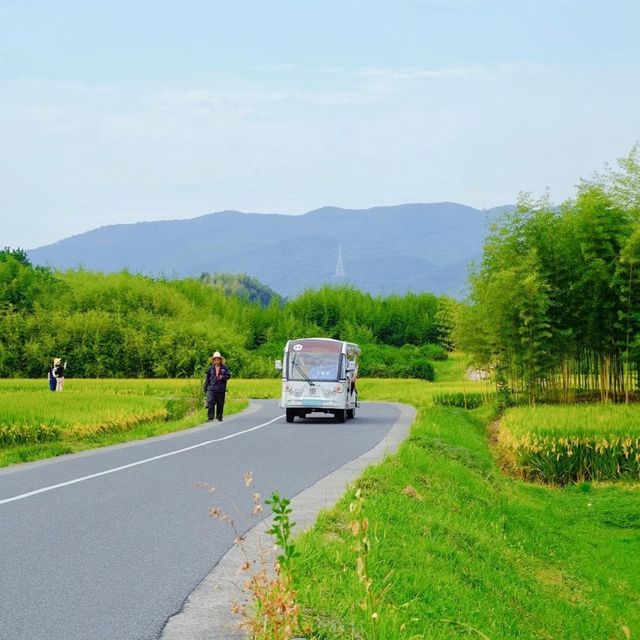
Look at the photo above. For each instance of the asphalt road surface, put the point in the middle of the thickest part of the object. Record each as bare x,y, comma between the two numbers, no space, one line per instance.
108,544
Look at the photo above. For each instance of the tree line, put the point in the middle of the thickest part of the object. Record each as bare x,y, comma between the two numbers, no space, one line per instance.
554,305
129,325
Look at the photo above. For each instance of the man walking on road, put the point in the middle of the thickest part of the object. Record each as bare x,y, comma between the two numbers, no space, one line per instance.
215,386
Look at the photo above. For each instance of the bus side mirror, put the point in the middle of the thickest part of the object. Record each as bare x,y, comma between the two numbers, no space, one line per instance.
279,365
351,365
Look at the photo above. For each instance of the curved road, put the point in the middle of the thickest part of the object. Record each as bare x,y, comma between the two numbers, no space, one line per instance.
108,544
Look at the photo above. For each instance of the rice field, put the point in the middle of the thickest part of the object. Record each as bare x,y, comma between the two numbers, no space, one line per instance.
571,443
107,386
256,388
36,423
417,391
31,414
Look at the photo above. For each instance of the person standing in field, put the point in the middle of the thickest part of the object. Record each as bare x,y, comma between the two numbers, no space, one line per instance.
58,373
215,386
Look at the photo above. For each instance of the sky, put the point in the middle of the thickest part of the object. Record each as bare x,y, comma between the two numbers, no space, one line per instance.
124,111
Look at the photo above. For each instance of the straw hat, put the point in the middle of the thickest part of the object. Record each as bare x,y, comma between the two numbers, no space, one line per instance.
217,354
57,361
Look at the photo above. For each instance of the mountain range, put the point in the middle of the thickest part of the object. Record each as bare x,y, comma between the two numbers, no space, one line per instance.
383,250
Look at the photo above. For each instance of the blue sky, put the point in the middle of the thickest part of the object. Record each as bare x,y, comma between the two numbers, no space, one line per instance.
119,111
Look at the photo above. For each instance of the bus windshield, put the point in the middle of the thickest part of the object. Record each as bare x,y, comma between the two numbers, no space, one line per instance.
309,365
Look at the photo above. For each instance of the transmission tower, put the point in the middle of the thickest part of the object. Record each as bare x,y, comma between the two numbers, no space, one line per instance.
339,274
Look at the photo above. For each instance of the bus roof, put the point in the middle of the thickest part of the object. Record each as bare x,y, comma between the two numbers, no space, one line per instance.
322,345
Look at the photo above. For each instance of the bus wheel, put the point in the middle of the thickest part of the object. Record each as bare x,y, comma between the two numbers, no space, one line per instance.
340,415
291,414
351,413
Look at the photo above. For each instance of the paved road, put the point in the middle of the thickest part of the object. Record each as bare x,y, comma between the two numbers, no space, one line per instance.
108,544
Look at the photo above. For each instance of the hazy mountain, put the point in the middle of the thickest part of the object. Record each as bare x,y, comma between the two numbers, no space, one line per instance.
384,249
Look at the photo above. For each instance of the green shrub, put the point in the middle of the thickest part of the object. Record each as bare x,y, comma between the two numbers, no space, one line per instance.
433,352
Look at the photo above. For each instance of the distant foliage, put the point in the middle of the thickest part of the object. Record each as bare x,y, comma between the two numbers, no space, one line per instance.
555,302
21,284
347,311
385,361
242,286
128,326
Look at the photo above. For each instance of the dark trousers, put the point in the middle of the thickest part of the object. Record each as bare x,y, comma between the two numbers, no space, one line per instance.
215,404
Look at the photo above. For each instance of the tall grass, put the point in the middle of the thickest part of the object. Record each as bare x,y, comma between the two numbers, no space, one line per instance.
579,420
36,424
106,386
256,388
28,417
571,443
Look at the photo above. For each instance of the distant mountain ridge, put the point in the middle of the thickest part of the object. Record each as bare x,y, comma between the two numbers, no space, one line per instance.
394,249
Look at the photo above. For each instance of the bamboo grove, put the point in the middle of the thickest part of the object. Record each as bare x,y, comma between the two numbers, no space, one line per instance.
123,325
555,302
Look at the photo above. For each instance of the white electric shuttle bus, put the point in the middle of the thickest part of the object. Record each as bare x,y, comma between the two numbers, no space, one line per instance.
319,375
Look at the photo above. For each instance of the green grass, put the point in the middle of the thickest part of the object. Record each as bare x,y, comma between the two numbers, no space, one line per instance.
579,420
461,550
118,386
452,369
460,399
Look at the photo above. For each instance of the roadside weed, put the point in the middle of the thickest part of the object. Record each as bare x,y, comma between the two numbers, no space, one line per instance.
281,531
362,546
271,611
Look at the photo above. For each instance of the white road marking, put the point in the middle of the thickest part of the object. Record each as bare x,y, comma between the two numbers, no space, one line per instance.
134,464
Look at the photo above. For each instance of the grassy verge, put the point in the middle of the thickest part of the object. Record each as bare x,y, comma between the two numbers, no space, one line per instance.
37,424
459,550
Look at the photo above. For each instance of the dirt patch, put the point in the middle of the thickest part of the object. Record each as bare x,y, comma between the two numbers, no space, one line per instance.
494,432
